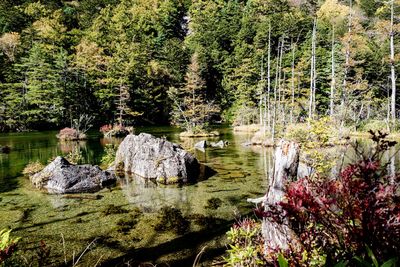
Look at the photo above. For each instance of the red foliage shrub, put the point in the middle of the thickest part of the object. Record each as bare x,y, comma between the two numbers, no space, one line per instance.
7,252
69,134
340,218
115,130
106,128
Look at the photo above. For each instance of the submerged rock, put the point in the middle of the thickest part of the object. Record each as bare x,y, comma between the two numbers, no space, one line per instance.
156,158
61,177
5,149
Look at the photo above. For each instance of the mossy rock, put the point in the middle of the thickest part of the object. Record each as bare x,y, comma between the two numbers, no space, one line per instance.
169,181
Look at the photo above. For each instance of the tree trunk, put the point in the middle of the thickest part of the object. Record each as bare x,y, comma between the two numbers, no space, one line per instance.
333,81
292,85
261,92
278,236
280,77
275,97
312,73
392,66
347,59
269,78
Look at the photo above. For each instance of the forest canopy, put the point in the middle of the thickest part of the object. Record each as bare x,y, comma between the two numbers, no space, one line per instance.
61,59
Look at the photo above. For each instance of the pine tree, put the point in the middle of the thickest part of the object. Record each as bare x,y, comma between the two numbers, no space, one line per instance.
192,110
43,95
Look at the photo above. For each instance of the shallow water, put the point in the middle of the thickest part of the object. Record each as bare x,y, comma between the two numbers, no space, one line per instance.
68,226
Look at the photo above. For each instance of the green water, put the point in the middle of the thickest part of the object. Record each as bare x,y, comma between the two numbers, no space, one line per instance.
68,226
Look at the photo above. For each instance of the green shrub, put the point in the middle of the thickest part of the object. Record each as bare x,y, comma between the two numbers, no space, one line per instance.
110,151
246,244
298,132
75,156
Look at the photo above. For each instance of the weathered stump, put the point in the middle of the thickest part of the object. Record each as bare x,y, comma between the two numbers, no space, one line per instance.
278,236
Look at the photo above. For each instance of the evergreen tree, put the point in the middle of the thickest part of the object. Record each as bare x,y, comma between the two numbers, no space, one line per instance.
192,110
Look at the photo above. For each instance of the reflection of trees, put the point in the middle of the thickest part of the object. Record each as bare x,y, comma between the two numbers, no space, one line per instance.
70,146
110,141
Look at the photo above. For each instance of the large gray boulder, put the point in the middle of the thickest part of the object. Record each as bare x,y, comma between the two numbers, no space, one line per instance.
156,158
62,177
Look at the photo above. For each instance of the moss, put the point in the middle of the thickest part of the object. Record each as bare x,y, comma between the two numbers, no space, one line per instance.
213,203
112,209
161,180
172,219
173,180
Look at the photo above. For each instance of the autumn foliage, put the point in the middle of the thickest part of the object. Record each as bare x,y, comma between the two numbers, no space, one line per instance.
355,215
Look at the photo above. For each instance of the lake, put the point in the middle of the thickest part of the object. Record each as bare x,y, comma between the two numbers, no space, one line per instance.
121,224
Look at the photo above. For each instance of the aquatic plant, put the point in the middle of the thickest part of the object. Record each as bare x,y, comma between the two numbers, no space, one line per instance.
172,219
43,254
112,209
126,224
75,156
32,168
8,245
110,151
207,222
213,203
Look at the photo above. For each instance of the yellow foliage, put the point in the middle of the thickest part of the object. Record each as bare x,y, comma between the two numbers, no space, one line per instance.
333,12
9,43
90,57
50,28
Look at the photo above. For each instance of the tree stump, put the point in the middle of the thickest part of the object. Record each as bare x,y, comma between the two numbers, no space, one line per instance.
278,236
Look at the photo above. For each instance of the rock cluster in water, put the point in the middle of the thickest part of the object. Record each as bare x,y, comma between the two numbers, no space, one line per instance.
156,158
62,177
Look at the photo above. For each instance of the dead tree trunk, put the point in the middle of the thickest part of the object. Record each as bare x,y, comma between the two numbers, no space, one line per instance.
292,85
392,67
333,80
285,168
312,73
269,79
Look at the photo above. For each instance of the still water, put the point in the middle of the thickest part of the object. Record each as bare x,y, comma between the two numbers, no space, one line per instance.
69,226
